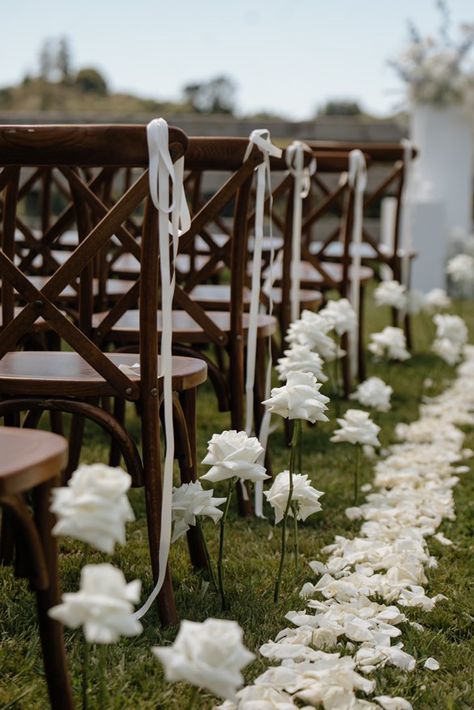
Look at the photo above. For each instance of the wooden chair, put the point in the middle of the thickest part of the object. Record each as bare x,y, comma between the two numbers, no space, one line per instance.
387,172
194,327
76,381
30,463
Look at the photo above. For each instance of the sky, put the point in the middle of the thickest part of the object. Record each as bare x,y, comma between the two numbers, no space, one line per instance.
286,56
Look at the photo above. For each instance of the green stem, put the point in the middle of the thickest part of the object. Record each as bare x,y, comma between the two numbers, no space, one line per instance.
192,697
356,474
294,443
102,652
210,568
220,575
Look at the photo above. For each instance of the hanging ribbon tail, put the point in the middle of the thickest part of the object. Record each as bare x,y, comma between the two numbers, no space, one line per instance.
260,138
162,171
357,178
294,156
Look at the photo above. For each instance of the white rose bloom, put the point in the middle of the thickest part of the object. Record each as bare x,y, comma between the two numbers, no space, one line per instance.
447,350
312,330
233,453
94,507
340,315
437,300
451,327
300,358
208,655
357,428
373,392
103,606
391,293
304,495
300,398
390,343
190,500
461,269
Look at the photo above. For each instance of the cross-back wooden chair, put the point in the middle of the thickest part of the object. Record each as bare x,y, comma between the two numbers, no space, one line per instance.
30,463
195,328
76,380
387,174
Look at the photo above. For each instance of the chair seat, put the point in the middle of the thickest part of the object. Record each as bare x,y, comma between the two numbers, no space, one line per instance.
114,288
335,250
202,247
39,326
68,374
29,457
217,297
128,266
185,328
310,276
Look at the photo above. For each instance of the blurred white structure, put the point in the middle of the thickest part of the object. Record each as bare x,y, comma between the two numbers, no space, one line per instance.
441,187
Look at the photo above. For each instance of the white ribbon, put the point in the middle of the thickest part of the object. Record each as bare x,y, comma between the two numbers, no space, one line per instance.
260,138
406,234
294,156
357,178
161,172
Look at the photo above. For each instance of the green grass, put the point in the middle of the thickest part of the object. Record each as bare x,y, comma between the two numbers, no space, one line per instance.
134,677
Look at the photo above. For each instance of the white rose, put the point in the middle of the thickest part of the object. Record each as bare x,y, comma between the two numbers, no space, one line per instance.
306,497
300,398
437,300
373,392
93,507
312,330
234,454
461,269
340,316
357,428
190,500
300,358
447,350
390,343
103,606
391,293
450,327
209,655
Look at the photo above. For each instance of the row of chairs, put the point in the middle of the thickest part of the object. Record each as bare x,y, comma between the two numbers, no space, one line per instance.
81,297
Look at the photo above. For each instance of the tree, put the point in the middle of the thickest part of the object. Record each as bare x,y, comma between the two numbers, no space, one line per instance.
341,107
63,60
217,95
90,81
46,62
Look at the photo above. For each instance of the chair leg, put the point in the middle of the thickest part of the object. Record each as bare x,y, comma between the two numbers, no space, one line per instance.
76,435
188,471
346,366
7,539
154,498
51,632
119,415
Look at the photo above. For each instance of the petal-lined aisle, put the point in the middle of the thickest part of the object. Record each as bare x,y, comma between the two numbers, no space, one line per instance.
353,621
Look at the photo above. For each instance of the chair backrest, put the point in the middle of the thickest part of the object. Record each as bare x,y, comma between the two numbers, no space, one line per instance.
387,174
73,150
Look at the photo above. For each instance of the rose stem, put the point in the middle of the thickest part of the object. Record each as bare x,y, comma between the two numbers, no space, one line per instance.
221,544
210,568
102,665
294,442
356,473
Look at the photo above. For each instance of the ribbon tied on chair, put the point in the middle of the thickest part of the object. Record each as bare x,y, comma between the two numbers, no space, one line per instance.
357,178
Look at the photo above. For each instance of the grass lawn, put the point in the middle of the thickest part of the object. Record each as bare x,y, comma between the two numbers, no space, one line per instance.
134,677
